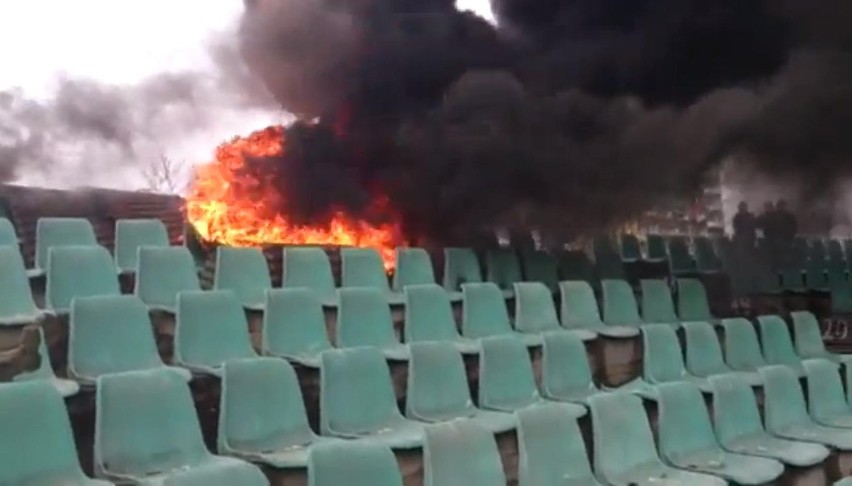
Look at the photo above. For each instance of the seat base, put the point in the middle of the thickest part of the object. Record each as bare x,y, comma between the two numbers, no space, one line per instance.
794,453
655,474
738,468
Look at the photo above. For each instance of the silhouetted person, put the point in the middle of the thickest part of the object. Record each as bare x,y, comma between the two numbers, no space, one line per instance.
788,225
745,227
768,224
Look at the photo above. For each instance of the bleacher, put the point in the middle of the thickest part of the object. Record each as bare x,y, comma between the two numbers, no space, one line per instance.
499,366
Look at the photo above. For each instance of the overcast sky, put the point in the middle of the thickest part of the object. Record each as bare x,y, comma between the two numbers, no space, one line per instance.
122,42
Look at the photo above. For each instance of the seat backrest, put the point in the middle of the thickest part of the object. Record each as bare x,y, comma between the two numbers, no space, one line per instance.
565,366
815,274
847,249
293,322
621,434
705,255
261,407
211,329
656,247
816,250
792,278
51,232
437,383
16,299
575,265
703,351
461,266
35,433
684,421
662,359
163,273
541,267
808,337
363,267
505,372
619,303
428,314
132,234
783,400
603,248
345,462
836,274
484,311
356,394
145,421
735,412
835,251
461,452
503,267
825,389
841,298
534,308
777,345
579,306
657,303
110,334
551,447
308,267
679,256
78,271
413,267
742,349
8,235
364,318
630,249
243,271
692,300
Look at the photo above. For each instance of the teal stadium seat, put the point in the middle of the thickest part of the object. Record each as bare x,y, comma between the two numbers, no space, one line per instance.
777,345
576,266
692,302
132,234
17,306
704,354
826,400
816,276
808,338
429,317
55,232
78,271
244,272
147,432
8,235
413,267
355,463
656,248
742,349
657,303
662,359
363,267
793,280
45,373
607,259
541,267
580,311
619,304
503,269
211,329
36,441
680,260
565,372
294,326
461,453
163,273
309,267
364,319
484,314
706,259
461,266
631,251
262,416
535,312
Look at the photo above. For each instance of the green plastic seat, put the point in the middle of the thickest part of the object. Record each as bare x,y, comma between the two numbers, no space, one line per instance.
662,359
352,462
786,416
835,251
262,416
8,235
706,259
841,298
816,250
565,372
551,449
132,234
742,349
506,381
692,302
631,251
45,373
619,304
438,390
503,268
211,329
484,314
17,306
244,272
580,311
793,280
657,303
363,267
816,277
413,267
766,281
836,274
541,267
78,271
608,262
364,319
777,345
429,317
461,266
163,273
357,400
147,432
111,334
36,442
54,232
461,453
656,248
739,429
680,259
704,354
294,326
687,440
826,399
808,338
847,481
624,449
535,312
309,267
575,265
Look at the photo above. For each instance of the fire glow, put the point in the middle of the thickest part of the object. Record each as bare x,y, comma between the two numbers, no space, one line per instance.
227,206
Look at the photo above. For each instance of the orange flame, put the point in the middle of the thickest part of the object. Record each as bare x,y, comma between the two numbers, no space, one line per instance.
230,207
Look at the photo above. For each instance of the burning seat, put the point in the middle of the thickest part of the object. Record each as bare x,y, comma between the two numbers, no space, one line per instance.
78,271
484,314
294,326
364,319
132,234
17,306
310,268
461,452
243,271
429,317
657,303
352,462
363,267
535,312
580,311
56,232
461,266
163,273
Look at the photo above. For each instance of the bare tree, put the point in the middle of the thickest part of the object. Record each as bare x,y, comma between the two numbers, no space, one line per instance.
165,175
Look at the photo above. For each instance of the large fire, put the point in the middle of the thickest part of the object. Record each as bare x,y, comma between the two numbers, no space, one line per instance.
230,207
